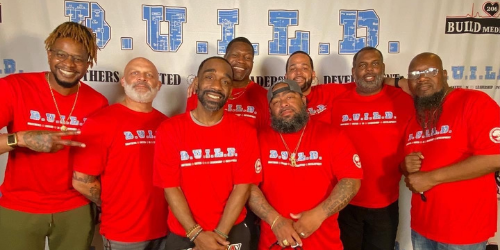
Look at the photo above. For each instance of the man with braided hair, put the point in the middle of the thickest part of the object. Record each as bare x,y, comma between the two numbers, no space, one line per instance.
42,112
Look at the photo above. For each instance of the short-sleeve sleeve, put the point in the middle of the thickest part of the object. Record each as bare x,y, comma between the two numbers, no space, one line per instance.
92,159
7,99
249,167
167,169
483,118
345,161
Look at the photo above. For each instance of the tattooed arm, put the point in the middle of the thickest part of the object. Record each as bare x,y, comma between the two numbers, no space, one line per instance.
40,141
88,185
341,195
282,228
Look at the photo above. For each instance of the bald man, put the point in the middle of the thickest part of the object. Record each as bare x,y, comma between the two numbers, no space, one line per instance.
118,158
453,149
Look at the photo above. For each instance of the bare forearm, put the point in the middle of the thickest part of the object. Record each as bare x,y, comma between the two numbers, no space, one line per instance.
260,206
340,196
88,185
470,168
235,203
179,206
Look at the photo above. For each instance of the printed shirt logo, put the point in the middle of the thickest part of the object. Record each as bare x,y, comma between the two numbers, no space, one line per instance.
373,118
495,135
424,136
238,109
207,156
355,159
53,121
303,159
316,111
139,137
258,166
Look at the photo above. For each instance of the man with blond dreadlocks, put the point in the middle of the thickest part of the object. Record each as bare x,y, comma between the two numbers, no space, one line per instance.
42,112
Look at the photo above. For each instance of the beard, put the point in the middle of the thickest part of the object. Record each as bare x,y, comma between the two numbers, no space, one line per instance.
140,97
294,124
429,108
66,85
370,87
211,105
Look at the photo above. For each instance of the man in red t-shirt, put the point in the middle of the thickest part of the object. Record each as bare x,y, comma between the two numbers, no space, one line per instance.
247,99
42,111
310,172
453,149
206,160
374,116
115,168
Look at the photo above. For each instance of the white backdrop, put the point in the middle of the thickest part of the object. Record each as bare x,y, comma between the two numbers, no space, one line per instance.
177,35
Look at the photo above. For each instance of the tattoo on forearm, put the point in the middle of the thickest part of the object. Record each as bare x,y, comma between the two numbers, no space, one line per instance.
95,194
342,194
39,141
258,203
84,179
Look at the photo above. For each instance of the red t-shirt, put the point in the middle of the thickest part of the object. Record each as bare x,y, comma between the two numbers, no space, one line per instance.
376,126
249,102
324,156
41,182
321,97
120,149
462,212
206,163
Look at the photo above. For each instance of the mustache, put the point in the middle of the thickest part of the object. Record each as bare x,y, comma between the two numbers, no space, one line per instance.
213,92
142,85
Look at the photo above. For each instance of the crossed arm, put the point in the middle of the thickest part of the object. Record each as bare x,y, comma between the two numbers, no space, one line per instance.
88,185
470,168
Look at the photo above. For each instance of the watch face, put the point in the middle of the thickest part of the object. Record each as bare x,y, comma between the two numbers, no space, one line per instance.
11,140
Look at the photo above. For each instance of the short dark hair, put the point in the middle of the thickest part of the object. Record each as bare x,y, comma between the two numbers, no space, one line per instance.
366,49
210,58
238,39
299,52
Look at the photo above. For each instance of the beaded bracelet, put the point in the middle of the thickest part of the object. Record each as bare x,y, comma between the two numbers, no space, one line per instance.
221,233
196,234
191,230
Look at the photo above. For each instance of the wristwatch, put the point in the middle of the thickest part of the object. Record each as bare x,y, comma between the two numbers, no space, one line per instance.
12,140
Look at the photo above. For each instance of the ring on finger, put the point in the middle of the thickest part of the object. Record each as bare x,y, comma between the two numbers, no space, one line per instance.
302,234
296,245
285,242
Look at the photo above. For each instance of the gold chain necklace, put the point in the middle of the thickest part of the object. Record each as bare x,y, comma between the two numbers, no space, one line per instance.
293,161
239,94
63,122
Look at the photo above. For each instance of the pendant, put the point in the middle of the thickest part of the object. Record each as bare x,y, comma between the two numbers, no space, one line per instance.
292,160
64,128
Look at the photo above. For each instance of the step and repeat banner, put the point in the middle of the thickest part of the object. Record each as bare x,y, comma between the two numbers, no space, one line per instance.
177,35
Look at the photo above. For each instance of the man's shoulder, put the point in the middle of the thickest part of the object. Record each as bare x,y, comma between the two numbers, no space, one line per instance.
22,78
88,92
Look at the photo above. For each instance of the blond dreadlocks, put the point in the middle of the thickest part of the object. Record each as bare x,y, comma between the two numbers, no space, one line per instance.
77,32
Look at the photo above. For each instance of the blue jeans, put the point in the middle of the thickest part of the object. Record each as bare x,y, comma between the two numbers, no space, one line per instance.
419,242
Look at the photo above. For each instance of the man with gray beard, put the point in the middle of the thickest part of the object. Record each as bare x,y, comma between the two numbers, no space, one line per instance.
374,116
310,172
118,157
452,150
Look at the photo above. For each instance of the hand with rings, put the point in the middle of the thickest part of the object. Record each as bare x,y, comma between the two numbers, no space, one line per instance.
284,232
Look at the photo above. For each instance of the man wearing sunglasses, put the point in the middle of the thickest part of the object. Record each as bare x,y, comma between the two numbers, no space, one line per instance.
311,171
42,111
453,149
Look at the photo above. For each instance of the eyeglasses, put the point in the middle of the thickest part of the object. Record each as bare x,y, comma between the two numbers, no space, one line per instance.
277,244
62,56
430,72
